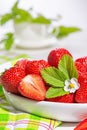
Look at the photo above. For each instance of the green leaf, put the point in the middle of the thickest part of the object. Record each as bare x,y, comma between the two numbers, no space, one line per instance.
67,66
15,6
4,58
8,41
51,77
13,58
56,77
61,75
21,56
55,72
5,18
19,15
41,20
55,92
52,71
62,31
22,16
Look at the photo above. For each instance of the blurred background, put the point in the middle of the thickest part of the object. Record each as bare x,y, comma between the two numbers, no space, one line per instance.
71,13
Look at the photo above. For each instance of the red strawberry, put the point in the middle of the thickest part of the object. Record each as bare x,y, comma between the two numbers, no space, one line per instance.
81,93
81,65
81,71
22,63
82,60
32,86
55,55
10,79
35,66
82,125
68,98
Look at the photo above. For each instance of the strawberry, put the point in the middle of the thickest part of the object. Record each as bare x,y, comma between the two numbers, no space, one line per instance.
35,66
22,63
68,98
82,125
81,93
81,71
10,79
82,60
81,65
33,87
55,56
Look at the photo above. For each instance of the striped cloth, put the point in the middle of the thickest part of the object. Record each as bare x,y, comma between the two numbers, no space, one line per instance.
12,119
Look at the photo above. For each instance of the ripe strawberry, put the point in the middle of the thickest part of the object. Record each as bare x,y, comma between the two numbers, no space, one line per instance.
82,60
81,65
32,86
35,66
68,98
55,55
22,63
82,125
10,79
81,93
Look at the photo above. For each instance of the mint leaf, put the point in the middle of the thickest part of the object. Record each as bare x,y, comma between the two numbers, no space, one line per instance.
8,40
62,31
10,58
22,16
5,18
51,77
4,58
15,6
21,56
67,66
55,92
41,20
19,15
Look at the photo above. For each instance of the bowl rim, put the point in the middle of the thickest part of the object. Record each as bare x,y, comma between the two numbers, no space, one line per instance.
41,102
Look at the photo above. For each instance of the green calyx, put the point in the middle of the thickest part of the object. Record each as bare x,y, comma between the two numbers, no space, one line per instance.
55,77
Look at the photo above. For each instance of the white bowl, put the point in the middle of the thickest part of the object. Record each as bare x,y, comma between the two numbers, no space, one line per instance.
67,112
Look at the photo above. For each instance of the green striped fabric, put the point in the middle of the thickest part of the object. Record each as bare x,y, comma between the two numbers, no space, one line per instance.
11,119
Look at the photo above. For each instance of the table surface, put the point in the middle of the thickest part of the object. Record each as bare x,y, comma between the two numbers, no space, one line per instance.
76,43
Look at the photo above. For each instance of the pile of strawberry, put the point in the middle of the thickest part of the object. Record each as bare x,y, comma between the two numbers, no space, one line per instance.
25,78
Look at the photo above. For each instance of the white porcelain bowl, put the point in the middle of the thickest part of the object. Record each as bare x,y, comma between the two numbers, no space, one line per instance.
67,112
